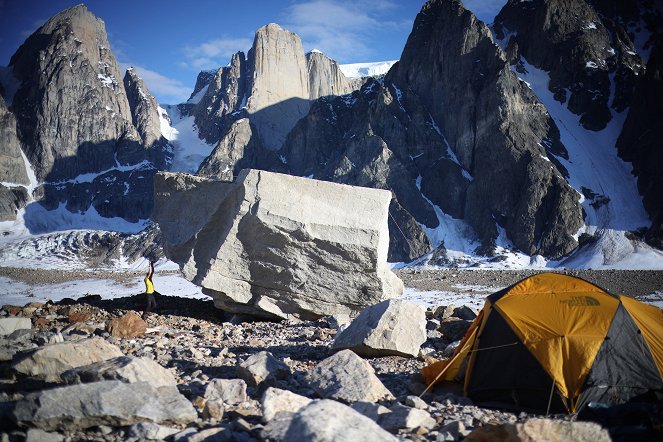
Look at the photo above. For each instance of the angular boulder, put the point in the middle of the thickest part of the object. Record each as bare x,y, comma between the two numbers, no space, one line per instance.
10,324
276,401
325,420
128,326
262,368
124,368
392,327
113,403
51,361
278,246
229,391
347,377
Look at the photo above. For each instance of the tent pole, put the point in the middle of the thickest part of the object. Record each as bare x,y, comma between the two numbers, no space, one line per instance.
552,390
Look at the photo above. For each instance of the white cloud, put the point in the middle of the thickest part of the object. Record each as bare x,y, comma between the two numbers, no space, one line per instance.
167,90
340,28
214,53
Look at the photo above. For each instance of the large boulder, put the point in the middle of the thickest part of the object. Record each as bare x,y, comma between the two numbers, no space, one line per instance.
51,361
11,324
278,246
103,403
327,420
392,327
347,377
124,368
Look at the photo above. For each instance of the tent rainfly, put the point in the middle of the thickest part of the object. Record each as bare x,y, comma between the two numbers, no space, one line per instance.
553,343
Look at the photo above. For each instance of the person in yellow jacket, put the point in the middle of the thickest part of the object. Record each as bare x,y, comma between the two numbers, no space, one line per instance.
150,302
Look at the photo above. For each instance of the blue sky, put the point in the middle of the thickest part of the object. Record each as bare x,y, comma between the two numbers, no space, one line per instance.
170,41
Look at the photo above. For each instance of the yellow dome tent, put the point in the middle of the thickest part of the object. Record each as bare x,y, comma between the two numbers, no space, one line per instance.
553,343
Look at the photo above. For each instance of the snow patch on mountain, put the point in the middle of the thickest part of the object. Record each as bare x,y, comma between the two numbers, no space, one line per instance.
359,70
181,131
605,185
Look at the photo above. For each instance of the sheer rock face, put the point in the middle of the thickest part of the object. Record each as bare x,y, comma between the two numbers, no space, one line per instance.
71,102
640,141
272,88
12,166
277,246
325,77
73,118
464,134
144,111
278,83
223,100
581,44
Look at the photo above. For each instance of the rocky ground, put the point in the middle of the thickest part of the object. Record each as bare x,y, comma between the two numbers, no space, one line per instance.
218,384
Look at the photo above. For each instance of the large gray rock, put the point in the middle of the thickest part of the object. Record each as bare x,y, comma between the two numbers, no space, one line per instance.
124,368
392,327
229,391
112,403
50,361
10,324
276,245
276,401
348,378
330,421
263,368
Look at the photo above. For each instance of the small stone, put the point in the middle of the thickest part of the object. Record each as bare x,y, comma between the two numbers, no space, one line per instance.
213,410
150,430
416,402
78,316
276,401
230,391
370,410
406,417
199,402
128,326
37,435
261,368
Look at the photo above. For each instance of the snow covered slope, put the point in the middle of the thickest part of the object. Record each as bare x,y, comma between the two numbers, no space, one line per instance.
358,70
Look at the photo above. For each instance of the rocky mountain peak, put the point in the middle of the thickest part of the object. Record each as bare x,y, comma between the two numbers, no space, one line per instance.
278,88
70,79
75,118
326,77
144,109
581,47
